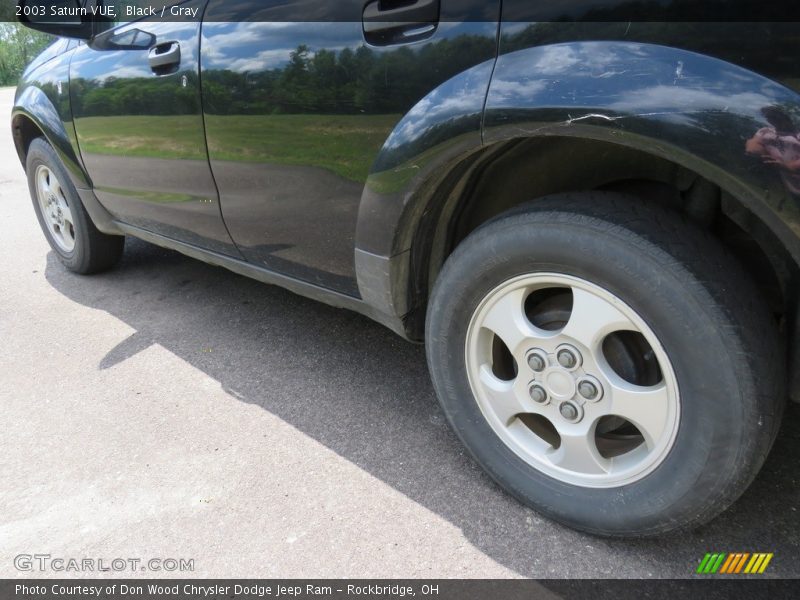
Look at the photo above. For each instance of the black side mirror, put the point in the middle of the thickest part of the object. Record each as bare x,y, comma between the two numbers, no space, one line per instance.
130,39
63,18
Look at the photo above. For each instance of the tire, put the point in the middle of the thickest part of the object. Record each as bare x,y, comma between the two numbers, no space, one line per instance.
69,230
569,269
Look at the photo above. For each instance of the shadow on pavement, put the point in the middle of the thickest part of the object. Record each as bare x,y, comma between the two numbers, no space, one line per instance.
365,394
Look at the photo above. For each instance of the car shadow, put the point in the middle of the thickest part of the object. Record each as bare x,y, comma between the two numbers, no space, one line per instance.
364,393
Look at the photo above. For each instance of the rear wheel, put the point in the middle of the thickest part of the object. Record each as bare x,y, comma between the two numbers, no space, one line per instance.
63,219
606,363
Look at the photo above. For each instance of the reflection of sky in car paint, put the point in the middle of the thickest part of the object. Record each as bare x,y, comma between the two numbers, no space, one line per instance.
460,96
336,11
248,47
255,46
104,64
626,78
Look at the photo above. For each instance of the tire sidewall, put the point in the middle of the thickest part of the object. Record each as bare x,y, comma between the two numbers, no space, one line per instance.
714,417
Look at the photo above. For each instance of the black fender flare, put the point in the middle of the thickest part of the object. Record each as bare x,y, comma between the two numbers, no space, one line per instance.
693,110
33,107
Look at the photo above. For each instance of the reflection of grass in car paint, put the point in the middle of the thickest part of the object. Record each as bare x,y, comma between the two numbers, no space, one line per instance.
344,144
142,136
156,197
394,180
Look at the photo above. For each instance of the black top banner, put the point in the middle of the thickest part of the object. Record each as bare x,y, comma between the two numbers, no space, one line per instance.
402,10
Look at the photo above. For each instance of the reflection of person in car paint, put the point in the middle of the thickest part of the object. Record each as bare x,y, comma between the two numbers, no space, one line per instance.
779,145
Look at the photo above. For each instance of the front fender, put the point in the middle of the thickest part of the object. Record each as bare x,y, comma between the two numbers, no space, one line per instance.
444,125
437,133
44,104
696,111
35,102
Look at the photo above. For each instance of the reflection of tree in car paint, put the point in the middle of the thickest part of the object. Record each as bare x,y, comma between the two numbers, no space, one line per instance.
779,145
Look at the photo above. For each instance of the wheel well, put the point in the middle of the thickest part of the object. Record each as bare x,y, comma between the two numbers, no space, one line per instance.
509,174
24,131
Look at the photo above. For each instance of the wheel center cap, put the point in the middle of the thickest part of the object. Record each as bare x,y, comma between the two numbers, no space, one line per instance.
560,384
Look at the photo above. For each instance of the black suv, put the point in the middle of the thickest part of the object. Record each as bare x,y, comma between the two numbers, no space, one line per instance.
592,222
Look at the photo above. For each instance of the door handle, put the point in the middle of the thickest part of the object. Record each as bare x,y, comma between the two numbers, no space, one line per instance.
164,57
389,22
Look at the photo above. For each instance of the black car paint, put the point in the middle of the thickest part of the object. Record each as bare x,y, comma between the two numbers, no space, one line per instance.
692,93
261,199
171,191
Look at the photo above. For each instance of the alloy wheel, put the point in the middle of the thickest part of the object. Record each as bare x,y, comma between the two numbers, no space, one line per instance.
572,380
55,209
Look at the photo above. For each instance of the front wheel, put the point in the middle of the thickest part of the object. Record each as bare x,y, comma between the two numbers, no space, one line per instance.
77,243
606,363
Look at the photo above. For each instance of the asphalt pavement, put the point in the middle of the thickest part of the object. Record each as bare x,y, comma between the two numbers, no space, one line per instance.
170,409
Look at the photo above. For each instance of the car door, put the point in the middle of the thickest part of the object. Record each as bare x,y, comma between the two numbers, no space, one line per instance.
136,104
298,104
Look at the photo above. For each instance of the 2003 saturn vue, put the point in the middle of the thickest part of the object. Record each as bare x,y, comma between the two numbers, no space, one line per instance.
592,223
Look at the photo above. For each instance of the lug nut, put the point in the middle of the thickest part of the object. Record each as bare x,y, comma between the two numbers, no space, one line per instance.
537,360
570,412
587,390
590,389
538,394
568,357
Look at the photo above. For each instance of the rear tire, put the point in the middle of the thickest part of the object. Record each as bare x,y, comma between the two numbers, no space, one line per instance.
69,230
571,272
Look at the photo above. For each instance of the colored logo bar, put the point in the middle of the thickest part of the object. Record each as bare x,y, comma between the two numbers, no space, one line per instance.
734,563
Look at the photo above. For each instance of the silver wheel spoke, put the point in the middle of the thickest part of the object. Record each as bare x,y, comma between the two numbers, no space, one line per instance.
44,184
645,407
505,401
58,192
66,212
66,234
508,321
593,318
578,452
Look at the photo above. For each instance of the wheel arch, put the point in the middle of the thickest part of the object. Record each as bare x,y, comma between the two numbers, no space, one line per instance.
691,135
34,115
483,185
704,193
